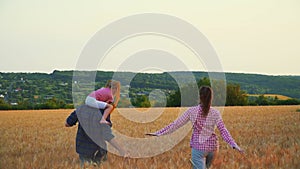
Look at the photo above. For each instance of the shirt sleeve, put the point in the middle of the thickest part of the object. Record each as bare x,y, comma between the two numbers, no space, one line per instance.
72,119
182,120
225,133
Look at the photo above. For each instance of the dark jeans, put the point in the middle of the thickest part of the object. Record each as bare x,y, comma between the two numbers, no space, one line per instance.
96,159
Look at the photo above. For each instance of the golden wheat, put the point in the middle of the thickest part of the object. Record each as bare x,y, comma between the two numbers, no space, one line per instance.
38,139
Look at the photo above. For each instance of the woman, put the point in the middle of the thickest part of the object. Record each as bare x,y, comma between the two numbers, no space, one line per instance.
105,98
204,142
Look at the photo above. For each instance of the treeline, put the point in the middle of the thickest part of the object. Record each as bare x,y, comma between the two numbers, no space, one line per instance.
52,103
234,97
59,89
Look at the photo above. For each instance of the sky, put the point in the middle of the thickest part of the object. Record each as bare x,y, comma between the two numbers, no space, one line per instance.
257,36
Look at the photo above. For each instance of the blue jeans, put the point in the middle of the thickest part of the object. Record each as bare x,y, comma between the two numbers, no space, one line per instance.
201,159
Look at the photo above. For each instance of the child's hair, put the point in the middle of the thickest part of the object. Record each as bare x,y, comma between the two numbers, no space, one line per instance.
114,84
108,84
205,99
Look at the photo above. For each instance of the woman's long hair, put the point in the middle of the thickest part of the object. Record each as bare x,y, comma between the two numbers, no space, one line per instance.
206,94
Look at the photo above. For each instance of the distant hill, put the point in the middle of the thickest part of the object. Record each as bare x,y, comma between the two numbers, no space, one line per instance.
260,84
265,84
257,83
36,87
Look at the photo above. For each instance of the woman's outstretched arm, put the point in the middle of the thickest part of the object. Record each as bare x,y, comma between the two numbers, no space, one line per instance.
226,135
182,120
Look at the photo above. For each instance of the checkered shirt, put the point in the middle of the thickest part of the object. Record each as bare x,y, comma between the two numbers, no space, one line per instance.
203,136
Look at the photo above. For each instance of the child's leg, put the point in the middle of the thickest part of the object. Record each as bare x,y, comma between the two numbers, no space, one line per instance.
107,111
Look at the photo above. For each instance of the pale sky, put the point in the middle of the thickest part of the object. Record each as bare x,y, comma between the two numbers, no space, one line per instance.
254,36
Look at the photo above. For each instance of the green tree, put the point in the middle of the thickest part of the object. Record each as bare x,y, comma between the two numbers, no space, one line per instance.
235,96
141,101
205,81
4,105
174,99
53,103
261,100
189,92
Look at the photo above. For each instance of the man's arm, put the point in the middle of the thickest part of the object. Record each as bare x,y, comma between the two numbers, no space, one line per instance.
71,120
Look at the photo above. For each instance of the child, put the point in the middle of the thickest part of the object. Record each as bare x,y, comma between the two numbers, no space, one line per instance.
103,98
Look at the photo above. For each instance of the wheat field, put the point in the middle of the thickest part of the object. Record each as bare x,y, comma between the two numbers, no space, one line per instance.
37,139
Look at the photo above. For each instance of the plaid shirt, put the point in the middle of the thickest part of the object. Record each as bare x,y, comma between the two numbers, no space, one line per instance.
203,136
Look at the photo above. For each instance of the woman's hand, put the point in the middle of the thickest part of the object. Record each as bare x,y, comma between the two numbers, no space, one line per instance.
151,134
239,149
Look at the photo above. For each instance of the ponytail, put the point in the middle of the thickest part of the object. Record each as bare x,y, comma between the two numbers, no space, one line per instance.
205,99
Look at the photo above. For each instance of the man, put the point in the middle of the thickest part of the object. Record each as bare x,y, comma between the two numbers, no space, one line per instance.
91,135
